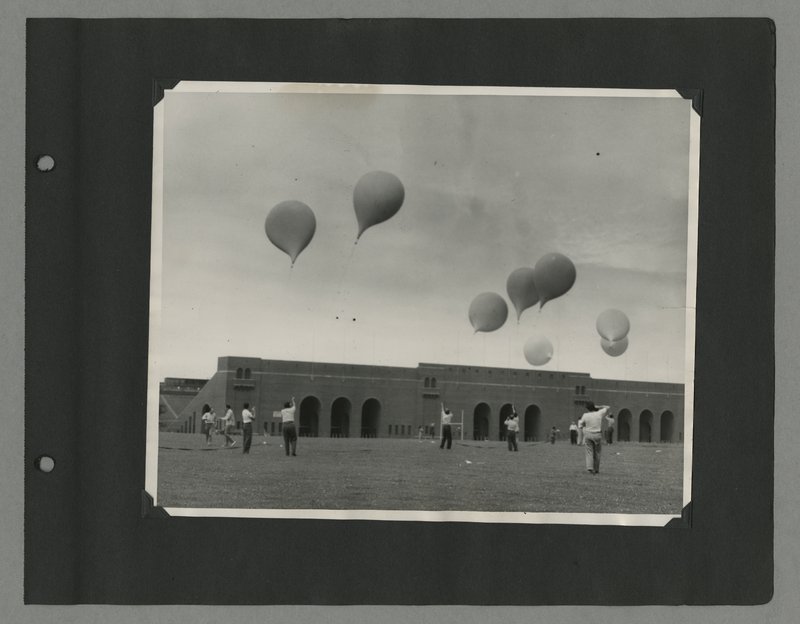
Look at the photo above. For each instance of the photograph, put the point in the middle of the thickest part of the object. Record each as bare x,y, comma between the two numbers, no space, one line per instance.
441,303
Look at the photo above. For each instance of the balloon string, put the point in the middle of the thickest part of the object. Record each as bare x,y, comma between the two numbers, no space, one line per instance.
458,360
517,342
508,369
339,288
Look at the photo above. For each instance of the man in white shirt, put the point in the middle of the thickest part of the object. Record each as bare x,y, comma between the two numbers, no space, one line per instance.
573,433
512,428
247,428
592,425
289,427
228,425
447,434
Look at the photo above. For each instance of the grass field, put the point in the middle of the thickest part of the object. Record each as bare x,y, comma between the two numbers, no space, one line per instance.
407,474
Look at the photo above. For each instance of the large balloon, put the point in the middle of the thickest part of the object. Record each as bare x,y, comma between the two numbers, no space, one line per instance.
377,197
613,325
538,350
521,289
487,312
614,348
554,274
290,226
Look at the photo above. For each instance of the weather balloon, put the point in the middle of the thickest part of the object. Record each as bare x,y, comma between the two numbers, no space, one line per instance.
377,197
613,325
538,350
554,274
521,289
487,312
615,348
290,226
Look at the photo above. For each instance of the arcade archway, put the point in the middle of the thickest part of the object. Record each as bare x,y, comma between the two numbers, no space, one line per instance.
340,418
646,426
624,425
370,418
533,424
480,421
308,420
667,427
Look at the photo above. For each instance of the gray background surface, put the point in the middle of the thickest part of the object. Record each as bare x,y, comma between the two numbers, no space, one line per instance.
785,607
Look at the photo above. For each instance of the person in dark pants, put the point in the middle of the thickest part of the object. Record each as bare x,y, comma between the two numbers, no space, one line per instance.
610,428
208,423
247,428
447,434
573,433
228,425
512,428
289,428
593,425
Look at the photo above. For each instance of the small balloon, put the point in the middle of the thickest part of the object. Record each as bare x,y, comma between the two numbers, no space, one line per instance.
554,275
487,312
538,350
521,289
613,325
290,226
377,197
615,348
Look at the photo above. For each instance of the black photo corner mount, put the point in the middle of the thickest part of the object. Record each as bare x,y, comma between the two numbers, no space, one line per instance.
696,96
89,538
160,85
150,509
685,521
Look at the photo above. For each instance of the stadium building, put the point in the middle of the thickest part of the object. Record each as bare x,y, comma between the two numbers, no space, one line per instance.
355,400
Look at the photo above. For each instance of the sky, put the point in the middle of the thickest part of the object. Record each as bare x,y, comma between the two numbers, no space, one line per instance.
492,183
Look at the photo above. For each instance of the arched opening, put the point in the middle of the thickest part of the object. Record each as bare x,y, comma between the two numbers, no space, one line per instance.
533,423
480,421
427,382
247,374
624,425
433,382
308,420
370,418
239,373
505,412
340,418
646,426
667,427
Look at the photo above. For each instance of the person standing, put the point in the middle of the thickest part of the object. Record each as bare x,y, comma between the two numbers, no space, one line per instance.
553,434
592,424
208,423
447,434
228,425
512,429
247,428
573,433
610,428
289,428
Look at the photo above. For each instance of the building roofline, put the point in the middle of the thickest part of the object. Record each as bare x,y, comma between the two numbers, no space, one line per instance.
446,367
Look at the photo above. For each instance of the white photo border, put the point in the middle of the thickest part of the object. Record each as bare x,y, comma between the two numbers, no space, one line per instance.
155,373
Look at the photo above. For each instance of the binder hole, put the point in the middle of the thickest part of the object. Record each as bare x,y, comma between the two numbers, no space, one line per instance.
45,463
45,163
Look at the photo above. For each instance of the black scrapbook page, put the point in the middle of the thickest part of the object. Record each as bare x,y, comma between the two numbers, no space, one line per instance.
399,311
